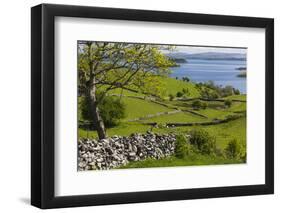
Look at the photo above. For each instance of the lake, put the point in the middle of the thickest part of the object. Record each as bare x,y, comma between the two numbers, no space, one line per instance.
221,72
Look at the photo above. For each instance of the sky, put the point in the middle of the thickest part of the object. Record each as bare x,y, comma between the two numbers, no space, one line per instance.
200,49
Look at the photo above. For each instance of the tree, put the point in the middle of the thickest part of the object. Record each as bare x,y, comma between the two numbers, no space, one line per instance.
112,109
185,79
105,66
179,94
182,147
228,102
203,141
186,91
196,104
233,149
171,97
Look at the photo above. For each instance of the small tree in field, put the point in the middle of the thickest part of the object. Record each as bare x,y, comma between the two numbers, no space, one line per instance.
228,103
179,94
171,97
203,141
112,109
105,66
233,149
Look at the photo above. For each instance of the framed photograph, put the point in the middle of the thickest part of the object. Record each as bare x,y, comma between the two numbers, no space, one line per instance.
139,106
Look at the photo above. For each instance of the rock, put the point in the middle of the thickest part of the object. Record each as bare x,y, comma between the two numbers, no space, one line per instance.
118,151
99,160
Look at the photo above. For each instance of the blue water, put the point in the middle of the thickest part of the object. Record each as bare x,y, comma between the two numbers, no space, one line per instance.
221,72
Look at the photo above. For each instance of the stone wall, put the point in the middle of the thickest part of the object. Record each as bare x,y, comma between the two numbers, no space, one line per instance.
118,151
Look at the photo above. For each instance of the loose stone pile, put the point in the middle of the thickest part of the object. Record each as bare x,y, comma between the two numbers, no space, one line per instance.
117,151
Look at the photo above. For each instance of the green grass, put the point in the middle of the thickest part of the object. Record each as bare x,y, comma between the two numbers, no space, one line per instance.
238,107
173,86
214,113
136,108
237,97
123,129
125,92
224,132
188,161
176,118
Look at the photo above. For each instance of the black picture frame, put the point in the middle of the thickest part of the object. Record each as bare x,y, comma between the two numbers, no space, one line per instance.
43,102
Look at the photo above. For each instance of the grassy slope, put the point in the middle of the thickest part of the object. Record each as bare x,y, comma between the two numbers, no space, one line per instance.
139,108
188,161
174,86
136,108
123,129
238,107
237,97
215,113
223,132
176,118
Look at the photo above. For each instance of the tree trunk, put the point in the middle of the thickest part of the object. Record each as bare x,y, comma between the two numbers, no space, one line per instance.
98,122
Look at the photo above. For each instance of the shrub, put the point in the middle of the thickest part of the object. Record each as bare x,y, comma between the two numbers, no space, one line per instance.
182,148
226,91
185,79
171,97
204,105
179,94
196,104
186,91
202,141
199,104
236,91
228,103
233,149
209,93
84,106
111,110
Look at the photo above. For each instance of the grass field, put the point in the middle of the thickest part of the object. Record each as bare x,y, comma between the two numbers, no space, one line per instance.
137,107
237,97
174,86
223,132
176,118
196,160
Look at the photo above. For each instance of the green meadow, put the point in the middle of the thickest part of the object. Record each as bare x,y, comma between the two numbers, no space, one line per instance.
144,114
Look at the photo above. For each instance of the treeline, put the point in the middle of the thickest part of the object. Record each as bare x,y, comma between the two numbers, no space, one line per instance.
211,91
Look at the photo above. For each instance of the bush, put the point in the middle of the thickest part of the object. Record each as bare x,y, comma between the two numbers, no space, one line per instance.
236,91
111,110
199,105
186,91
196,104
203,142
186,79
226,91
233,150
204,105
209,93
182,148
171,97
179,94
228,103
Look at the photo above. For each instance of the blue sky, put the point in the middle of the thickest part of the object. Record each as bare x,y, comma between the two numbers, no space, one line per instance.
198,49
